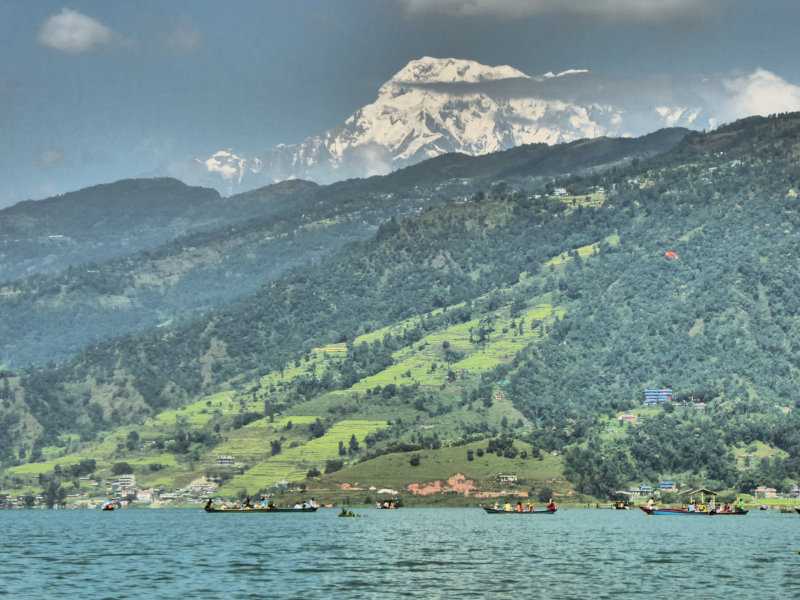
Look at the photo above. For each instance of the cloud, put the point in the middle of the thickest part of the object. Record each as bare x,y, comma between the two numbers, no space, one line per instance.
50,158
73,32
184,39
761,92
229,165
623,10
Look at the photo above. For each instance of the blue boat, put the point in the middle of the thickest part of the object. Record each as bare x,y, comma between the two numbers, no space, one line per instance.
692,513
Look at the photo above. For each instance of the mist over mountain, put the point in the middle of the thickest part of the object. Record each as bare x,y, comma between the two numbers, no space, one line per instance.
435,106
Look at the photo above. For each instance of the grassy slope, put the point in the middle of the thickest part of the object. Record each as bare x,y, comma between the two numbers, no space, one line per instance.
395,471
294,463
250,445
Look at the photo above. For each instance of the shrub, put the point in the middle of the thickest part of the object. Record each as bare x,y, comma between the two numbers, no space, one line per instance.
333,465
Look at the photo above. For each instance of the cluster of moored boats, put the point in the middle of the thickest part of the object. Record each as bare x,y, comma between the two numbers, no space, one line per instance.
264,506
706,506
267,506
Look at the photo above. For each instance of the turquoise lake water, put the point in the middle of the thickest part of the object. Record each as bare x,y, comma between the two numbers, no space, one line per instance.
420,553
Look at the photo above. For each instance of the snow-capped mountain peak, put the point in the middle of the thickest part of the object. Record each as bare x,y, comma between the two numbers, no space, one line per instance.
430,107
453,70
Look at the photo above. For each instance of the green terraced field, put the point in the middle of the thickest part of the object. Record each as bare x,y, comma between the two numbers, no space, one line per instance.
583,252
395,470
414,364
252,442
593,200
197,413
293,464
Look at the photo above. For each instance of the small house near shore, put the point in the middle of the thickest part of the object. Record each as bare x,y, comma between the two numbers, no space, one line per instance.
765,492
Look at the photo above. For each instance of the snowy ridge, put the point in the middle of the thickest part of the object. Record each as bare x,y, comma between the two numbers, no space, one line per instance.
430,107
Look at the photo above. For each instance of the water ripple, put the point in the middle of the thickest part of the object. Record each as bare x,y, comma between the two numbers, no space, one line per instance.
419,553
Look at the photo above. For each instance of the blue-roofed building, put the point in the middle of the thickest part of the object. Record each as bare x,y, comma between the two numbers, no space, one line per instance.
667,486
654,397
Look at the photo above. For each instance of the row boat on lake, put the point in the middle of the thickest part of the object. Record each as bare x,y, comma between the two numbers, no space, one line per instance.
683,511
500,511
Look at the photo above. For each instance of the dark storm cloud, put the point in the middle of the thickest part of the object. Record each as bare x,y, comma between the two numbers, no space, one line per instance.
617,10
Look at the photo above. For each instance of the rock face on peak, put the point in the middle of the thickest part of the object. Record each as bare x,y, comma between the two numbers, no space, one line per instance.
453,70
430,107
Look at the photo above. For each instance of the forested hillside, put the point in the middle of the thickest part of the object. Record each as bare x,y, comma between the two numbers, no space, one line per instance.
509,315
117,219
238,243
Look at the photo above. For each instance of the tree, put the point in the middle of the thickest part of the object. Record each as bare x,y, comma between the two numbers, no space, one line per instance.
342,449
132,441
121,468
354,446
54,494
414,460
470,455
313,472
317,429
275,447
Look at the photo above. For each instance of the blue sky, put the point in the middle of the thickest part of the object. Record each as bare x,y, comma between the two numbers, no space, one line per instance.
93,91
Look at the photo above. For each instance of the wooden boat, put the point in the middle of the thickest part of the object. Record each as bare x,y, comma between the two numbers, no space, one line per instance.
258,510
500,511
683,511
797,508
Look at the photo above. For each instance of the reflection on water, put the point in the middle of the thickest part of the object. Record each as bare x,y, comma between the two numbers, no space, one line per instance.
424,553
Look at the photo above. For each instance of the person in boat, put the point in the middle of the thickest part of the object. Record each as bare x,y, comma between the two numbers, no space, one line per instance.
209,504
530,506
702,508
313,504
551,506
651,503
496,505
740,505
518,507
691,507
